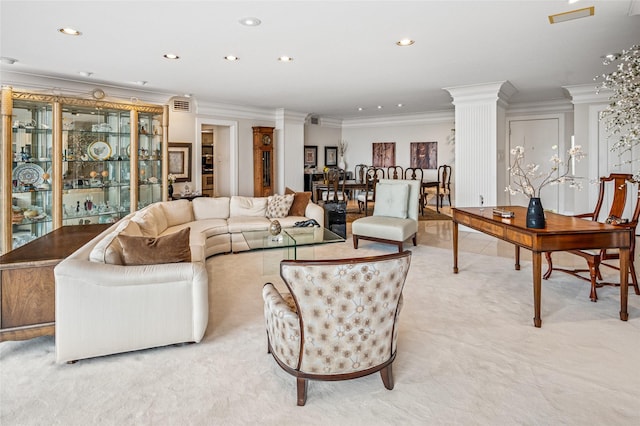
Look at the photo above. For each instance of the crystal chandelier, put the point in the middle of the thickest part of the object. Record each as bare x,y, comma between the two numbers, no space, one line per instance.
622,117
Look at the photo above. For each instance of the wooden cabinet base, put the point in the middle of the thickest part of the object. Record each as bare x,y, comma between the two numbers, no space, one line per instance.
27,284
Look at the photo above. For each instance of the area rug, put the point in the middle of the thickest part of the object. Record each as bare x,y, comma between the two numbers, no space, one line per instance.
468,354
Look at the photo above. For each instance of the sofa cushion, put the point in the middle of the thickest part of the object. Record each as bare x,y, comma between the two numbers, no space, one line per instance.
247,223
177,212
300,201
170,248
206,227
99,252
278,205
151,220
392,200
248,206
210,208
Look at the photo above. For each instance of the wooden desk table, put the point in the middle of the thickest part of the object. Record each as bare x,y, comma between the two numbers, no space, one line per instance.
561,233
27,285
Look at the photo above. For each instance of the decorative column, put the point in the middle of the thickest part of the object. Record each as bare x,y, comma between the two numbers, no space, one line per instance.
6,158
481,162
289,138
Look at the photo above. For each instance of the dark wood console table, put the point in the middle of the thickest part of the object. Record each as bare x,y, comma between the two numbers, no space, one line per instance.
561,233
27,285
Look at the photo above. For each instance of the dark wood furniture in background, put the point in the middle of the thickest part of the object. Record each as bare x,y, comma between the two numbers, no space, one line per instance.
561,233
27,285
263,161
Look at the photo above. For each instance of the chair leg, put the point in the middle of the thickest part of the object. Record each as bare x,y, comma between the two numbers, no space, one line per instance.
355,242
415,239
547,255
387,377
302,390
634,279
594,272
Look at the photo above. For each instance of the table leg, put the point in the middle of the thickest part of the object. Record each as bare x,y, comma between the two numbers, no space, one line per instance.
537,287
438,198
624,283
455,247
517,255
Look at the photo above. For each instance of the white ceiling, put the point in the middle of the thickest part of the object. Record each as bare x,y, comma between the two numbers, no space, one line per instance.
344,51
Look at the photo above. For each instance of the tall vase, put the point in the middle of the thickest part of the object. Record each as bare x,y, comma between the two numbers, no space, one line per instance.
342,164
170,189
535,214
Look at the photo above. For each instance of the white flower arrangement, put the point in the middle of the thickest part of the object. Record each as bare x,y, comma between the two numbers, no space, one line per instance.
171,178
529,180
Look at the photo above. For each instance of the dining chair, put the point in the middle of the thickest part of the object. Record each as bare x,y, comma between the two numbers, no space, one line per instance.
395,172
335,186
416,173
372,176
618,184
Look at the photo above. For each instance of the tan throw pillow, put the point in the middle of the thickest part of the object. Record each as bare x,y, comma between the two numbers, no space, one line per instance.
172,248
300,201
278,205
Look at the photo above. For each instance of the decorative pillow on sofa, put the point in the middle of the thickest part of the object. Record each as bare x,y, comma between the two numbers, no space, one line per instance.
300,201
172,248
392,200
278,205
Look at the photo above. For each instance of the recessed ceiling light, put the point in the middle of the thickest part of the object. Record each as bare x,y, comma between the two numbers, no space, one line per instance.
7,60
231,58
187,95
171,56
69,31
85,73
141,82
250,22
405,42
380,107
360,109
400,105
285,59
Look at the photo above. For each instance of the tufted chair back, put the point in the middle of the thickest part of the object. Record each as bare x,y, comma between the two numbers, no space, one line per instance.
339,320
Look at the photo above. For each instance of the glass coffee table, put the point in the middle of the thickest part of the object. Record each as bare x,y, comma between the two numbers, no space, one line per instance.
290,244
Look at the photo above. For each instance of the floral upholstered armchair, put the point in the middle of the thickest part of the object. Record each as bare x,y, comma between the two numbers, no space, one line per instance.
340,319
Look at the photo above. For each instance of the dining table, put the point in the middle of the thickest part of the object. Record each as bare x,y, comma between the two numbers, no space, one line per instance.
351,185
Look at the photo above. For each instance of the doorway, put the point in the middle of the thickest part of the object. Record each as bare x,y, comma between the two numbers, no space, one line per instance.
217,146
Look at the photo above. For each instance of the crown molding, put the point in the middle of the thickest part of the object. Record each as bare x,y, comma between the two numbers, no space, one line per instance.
587,94
558,106
434,117
60,86
235,111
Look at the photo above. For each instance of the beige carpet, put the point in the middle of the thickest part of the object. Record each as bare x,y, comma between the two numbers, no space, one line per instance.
468,354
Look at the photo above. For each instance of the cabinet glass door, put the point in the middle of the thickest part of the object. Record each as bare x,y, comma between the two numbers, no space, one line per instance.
31,145
149,159
95,163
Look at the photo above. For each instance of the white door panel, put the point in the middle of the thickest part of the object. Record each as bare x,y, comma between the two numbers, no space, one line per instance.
538,137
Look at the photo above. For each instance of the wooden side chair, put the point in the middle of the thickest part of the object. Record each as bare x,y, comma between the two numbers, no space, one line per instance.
443,189
415,173
335,191
616,186
395,172
372,176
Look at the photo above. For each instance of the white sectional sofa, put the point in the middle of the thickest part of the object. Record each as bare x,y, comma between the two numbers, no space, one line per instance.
106,305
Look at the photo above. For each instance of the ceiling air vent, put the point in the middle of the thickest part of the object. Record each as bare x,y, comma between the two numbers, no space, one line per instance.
181,105
314,119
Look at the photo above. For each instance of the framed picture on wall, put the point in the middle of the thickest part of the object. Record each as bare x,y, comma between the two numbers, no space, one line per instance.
310,156
330,156
180,161
384,154
424,155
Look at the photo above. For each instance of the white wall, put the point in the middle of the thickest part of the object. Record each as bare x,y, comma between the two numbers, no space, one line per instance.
360,141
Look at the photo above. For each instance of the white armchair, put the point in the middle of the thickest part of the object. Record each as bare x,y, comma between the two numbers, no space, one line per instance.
395,214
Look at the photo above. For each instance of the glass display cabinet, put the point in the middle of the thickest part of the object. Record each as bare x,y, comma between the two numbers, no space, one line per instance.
73,161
